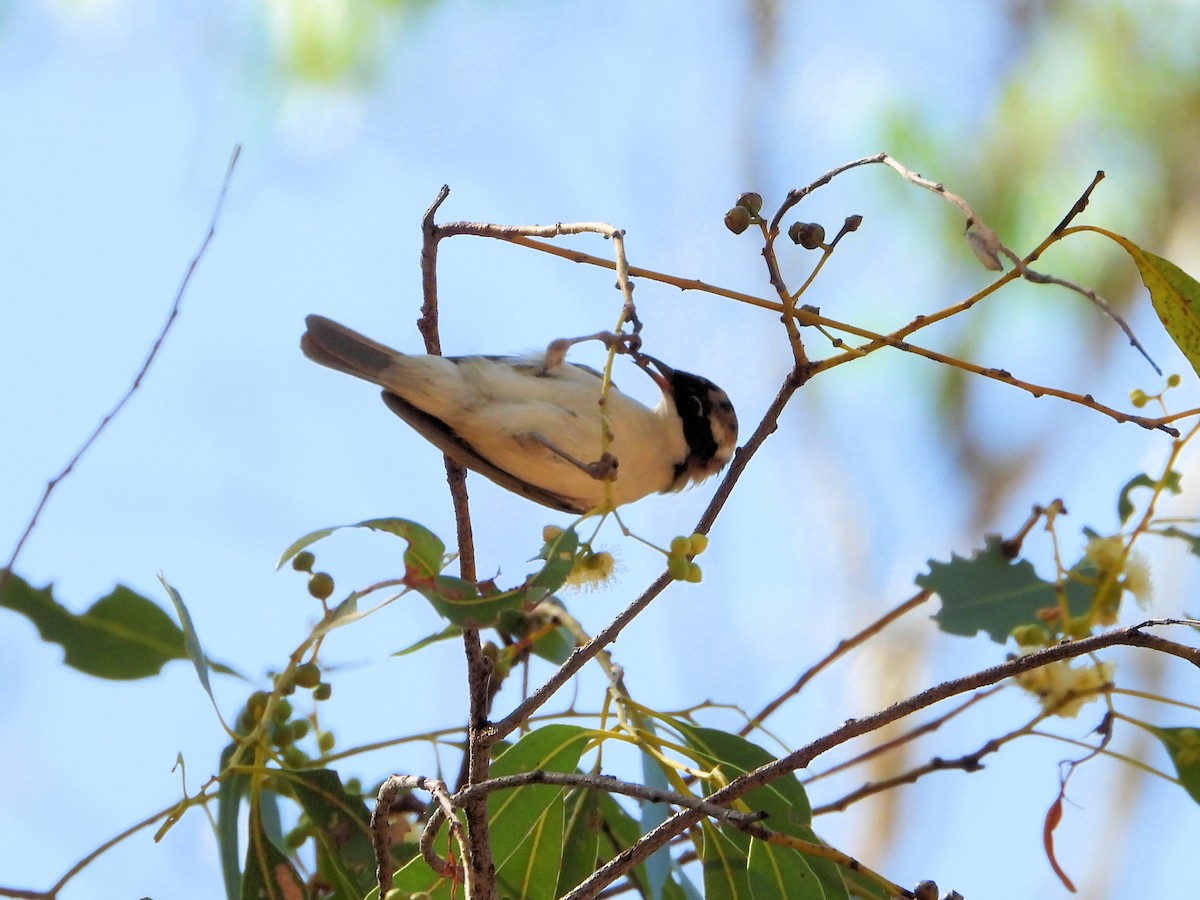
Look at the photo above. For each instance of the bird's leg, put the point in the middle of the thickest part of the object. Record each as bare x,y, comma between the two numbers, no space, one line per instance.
604,467
556,353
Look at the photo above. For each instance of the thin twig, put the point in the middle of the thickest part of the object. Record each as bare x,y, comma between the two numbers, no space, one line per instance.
137,380
843,647
875,340
899,740
992,245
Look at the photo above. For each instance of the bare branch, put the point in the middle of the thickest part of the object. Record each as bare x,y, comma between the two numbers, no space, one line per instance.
612,786
381,834
137,380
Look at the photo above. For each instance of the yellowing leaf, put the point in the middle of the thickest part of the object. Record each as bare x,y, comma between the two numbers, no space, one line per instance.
1174,293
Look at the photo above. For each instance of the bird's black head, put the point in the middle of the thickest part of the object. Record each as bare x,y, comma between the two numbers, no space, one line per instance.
709,426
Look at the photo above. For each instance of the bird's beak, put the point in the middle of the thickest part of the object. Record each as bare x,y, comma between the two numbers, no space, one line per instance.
663,376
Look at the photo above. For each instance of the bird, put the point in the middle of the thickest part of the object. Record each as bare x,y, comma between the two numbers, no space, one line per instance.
532,423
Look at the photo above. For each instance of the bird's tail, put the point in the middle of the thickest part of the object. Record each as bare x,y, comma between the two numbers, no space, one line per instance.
338,347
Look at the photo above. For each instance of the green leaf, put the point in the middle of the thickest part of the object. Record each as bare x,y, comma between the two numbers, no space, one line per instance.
732,854
122,636
425,553
1174,293
527,822
461,602
234,787
658,864
992,593
269,874
450,631
725,856
1124,504
1192,540
559,554
781,872
416,879
581,839
554,645
784,799
191,640
620,831
1183,746
346,859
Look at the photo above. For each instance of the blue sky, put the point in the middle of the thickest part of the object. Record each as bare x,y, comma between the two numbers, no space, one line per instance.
120,119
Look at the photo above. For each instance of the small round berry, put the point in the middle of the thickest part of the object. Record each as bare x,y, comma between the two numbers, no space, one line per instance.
1030,635
295,758
697,543
1174,379
322,691
282,711
694,574
926,890
299,729
257,702
308,675
321,585
303,561
738,219
677,567
751,201
680,546
325,742
1138,398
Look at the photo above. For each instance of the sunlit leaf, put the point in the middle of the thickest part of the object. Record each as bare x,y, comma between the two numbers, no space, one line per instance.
728,857
559,554
725,855
781,872
1173,292
527,822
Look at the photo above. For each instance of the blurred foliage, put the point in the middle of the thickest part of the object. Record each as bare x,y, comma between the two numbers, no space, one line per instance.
331,42
1085,87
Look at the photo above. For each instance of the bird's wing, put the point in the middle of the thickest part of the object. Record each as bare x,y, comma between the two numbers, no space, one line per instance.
443,437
